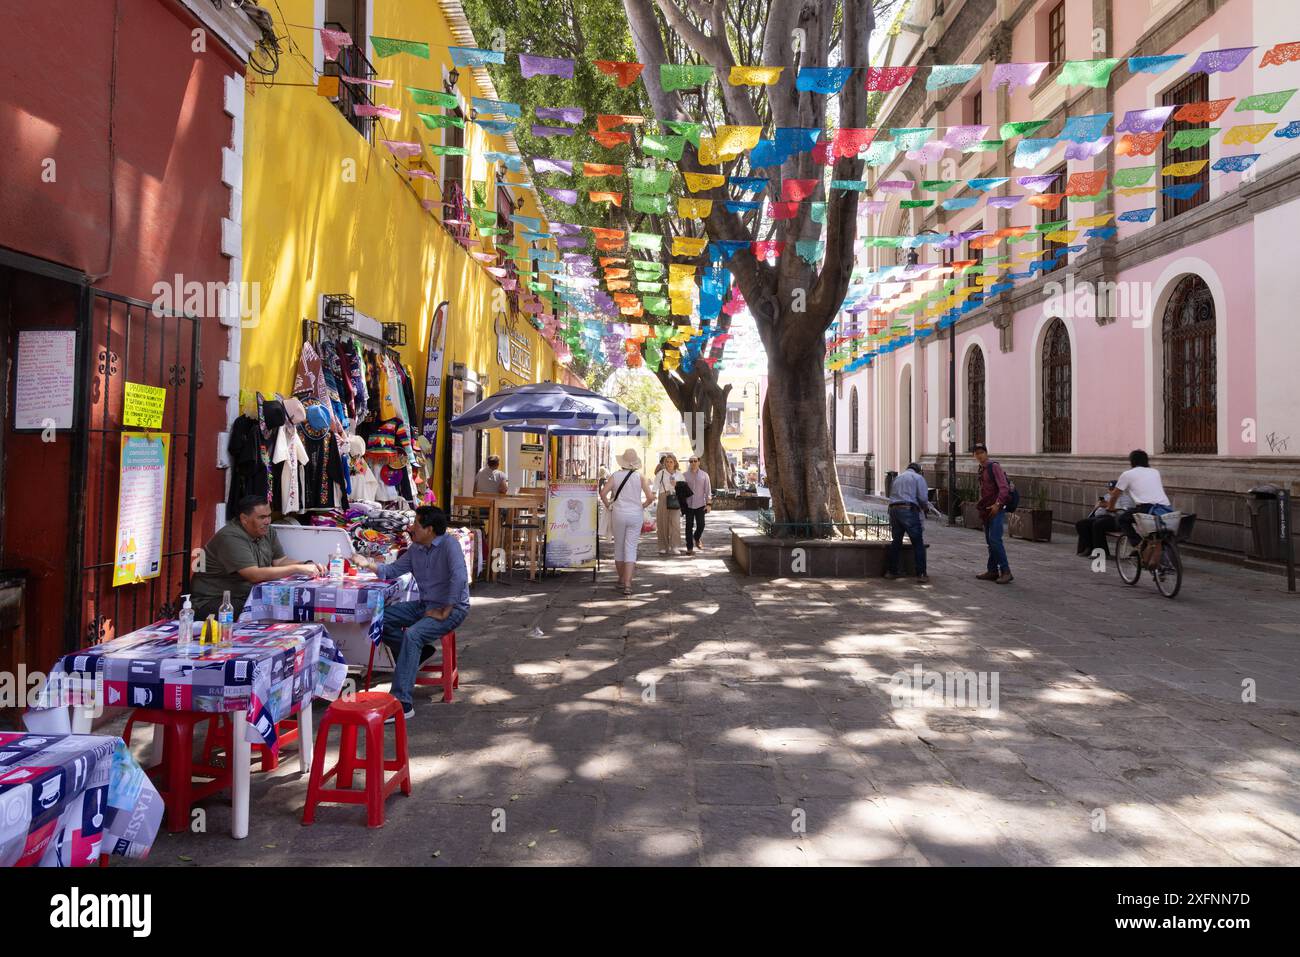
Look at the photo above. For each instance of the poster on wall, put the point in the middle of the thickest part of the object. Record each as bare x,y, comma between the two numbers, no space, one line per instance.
433,375
501,326
141,502
45,385
454,477
571,524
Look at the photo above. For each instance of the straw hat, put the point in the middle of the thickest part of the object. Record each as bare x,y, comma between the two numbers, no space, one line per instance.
630,460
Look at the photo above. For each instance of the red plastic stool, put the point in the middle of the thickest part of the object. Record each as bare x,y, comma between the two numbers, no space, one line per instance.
176,771
286,733
444,674
368,710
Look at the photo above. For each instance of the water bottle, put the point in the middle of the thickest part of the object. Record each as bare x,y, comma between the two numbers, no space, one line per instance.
226,617
185,626
336,564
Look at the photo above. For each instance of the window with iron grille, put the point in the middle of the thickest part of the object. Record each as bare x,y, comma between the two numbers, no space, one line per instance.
977,109
853,419
1052,216
1191,398
1056,388
1194,89
732,426
1056,36
975,399
350,16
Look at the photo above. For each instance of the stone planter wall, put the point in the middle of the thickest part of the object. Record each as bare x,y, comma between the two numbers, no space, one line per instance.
815,558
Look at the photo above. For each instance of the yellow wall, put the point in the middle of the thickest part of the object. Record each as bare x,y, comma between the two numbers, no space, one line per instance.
310,229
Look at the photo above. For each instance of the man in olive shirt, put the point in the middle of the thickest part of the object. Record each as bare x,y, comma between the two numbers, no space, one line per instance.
244,552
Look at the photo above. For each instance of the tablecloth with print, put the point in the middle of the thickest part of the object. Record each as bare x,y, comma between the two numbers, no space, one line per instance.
267,669
67,798
304,598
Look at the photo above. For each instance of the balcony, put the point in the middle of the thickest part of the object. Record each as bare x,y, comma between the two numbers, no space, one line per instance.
352,62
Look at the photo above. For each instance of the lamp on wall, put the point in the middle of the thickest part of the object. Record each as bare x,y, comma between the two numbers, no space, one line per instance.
452,79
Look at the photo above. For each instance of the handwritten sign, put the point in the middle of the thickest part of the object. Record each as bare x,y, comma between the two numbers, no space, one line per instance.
141,500
142,405
45,389
532,458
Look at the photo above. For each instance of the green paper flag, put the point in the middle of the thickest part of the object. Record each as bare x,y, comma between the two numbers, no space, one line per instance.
655,305
645,270
650,180
689,130
912,138
856,185
483,218
537,287
916,204
1023,128
674,77
432,97
510,251
645,241
386,46
1140,175
1051,227
664,147
479,193
983,146
649,286
493,231
818,211
441,121
437,150
937,185
1088,199
1265,102
645,203
1186,140
1086,72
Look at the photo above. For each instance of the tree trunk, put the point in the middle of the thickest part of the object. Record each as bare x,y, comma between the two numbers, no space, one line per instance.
797,445
702,404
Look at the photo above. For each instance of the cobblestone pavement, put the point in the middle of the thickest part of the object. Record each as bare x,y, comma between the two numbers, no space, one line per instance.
718,719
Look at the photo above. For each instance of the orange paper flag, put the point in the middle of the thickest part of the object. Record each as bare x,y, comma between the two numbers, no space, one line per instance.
611,139
624,73
615,284
606,245
617,273
601,169
612,121
1046,200
1138,144
611,260
1205,112
601,232
601,196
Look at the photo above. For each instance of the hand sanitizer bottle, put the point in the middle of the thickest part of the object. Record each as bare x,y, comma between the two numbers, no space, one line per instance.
226,617
336,564
185,626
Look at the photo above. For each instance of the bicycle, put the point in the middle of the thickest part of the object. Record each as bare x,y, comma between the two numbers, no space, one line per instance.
1157,552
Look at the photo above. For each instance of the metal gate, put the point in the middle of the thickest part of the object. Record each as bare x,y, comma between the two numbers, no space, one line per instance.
130,341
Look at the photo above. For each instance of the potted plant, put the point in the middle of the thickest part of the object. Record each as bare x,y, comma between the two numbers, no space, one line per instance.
1034,524
968,493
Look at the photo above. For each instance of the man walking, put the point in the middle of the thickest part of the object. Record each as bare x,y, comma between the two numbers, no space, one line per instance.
697,504
995,496
908,500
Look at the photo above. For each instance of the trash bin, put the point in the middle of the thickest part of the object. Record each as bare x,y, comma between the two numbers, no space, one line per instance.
889,482
1265,528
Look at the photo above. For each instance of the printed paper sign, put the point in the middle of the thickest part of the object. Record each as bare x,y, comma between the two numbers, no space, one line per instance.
571,524
142,405
141,502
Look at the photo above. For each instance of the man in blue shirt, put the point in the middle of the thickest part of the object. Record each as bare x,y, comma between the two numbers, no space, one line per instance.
438,565
909,498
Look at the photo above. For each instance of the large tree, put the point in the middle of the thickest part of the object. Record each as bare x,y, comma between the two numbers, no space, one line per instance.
793,302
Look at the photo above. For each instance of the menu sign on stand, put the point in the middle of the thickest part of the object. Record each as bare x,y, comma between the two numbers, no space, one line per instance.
141,500
571,524
45,385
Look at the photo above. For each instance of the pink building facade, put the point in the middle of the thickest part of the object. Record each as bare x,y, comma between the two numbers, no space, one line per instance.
1179,335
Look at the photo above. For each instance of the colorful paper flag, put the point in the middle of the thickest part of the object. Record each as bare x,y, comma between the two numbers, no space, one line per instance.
332,41
1193,139
471,56
1138,144
610,140
1013,75
1153,64
683,76
1220,61
697,182
954,74
1251,133
1281,53
1133,176
387,46
624,73
1235,164
545,165
797,190
1094,73
1265,102
663,147
885,78
1085,129
822,79
688,246
531,66
441,121
594,170
561,114
755,75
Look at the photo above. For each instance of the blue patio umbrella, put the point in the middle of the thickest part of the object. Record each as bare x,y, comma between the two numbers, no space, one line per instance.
550,406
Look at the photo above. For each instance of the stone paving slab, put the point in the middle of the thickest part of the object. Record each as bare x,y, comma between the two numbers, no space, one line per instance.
717,719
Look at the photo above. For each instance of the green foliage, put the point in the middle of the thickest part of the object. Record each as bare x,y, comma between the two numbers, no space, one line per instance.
639,392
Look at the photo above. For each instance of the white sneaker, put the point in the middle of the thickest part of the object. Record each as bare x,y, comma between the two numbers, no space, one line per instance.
408,715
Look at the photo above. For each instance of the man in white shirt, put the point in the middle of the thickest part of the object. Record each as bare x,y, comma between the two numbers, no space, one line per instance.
490,480
1143,485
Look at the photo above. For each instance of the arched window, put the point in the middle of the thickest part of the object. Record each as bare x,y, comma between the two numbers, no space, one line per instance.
1191,395
1056,388
853,419
975,399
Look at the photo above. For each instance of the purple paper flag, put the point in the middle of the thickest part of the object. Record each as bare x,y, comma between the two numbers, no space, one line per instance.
542,132
873,207
959,137
896,185
1017,74
1220,61
544,165
530,66
561,114
1038,184
570,242
1085,151
931,152
566,229
1003,202
567,196
1145,121
370,110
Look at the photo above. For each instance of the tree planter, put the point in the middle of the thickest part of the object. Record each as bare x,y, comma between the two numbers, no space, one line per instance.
970,516
1032,524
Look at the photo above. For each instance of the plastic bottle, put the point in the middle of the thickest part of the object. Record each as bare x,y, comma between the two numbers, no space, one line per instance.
185,625
336,564
226,617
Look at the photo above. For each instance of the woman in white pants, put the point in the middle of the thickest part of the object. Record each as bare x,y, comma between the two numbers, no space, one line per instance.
627,495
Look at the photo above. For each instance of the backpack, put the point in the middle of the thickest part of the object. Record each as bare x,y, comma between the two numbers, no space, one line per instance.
1014,502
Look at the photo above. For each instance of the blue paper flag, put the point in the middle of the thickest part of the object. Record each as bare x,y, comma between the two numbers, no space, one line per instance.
471,56
1152,64
822,79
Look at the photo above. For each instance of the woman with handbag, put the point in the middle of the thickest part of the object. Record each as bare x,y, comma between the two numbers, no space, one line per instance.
668,515
626,501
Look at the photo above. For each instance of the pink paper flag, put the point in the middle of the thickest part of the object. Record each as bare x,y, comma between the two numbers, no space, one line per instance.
332,41
882,78
1017,74
369,109
403,147
385,84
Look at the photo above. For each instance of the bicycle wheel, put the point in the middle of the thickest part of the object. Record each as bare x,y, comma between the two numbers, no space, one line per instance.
1128,560
1169,576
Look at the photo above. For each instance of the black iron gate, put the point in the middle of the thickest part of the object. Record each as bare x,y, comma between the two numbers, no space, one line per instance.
130,341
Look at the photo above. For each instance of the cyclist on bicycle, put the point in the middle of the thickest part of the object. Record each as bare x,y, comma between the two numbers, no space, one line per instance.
1143,485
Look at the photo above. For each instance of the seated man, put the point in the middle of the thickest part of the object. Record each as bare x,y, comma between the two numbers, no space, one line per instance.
1092,528
438,564
1143,485
244,552
490,480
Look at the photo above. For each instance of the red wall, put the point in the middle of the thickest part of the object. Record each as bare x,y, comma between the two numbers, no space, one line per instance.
169,132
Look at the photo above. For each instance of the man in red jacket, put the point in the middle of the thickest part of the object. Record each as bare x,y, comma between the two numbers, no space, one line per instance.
995,495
